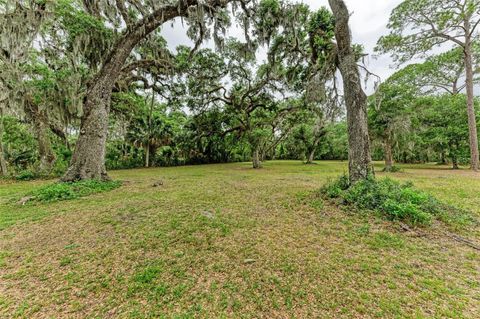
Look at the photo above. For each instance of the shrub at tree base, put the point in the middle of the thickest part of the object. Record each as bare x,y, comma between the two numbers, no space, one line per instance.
393,200
65,191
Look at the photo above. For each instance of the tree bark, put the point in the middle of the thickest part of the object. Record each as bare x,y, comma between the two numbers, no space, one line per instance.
88,160
41,127
317,136
3,162
355,98
257,163
147,156
311,157
472,121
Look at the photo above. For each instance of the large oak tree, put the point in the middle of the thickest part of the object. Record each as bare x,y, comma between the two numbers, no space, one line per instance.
139,19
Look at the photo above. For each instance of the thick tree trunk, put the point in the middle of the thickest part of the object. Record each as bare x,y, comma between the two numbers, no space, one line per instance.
355,98
3,162
41,127
88,160
257,163
388,156
472,121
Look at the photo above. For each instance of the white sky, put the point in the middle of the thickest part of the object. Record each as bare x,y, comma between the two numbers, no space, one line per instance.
368,24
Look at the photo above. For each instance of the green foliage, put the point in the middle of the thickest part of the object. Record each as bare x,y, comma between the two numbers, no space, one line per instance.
445,125
417,27
25,175
19,144
335,188
393,169
65,191
391,199
84,32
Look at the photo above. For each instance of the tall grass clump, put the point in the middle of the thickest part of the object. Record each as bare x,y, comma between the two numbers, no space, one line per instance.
64,191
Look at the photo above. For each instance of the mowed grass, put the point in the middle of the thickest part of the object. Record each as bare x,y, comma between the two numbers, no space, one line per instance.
227,241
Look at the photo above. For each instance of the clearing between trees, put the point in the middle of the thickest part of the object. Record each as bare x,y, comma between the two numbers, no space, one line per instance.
227,241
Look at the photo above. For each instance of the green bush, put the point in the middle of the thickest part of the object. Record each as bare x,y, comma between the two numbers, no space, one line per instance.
391,199
64,191
25,175
333,189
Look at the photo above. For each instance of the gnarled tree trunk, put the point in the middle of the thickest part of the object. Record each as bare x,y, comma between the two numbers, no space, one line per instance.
356,101
88,160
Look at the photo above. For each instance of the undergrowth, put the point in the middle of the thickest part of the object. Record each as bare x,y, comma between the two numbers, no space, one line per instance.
392,169
394,201
72,190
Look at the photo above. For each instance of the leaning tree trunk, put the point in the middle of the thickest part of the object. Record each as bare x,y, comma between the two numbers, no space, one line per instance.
41,127
311,156
472,121
3,162
355,98
88,160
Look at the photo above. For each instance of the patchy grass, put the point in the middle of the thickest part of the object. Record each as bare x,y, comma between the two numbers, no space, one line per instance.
227,241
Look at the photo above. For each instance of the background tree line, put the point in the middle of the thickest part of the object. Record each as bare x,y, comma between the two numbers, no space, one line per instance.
88,86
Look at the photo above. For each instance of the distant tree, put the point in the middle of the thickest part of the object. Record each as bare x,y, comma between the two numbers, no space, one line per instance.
21,22
150,130
419,26
390,108
440,129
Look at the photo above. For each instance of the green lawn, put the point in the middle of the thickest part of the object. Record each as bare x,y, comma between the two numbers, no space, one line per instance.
227,241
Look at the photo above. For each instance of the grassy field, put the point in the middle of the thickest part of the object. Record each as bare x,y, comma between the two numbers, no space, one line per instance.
226,241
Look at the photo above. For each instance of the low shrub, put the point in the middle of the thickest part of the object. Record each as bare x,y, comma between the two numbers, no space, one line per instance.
392,169
391,199
25,175
65,191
